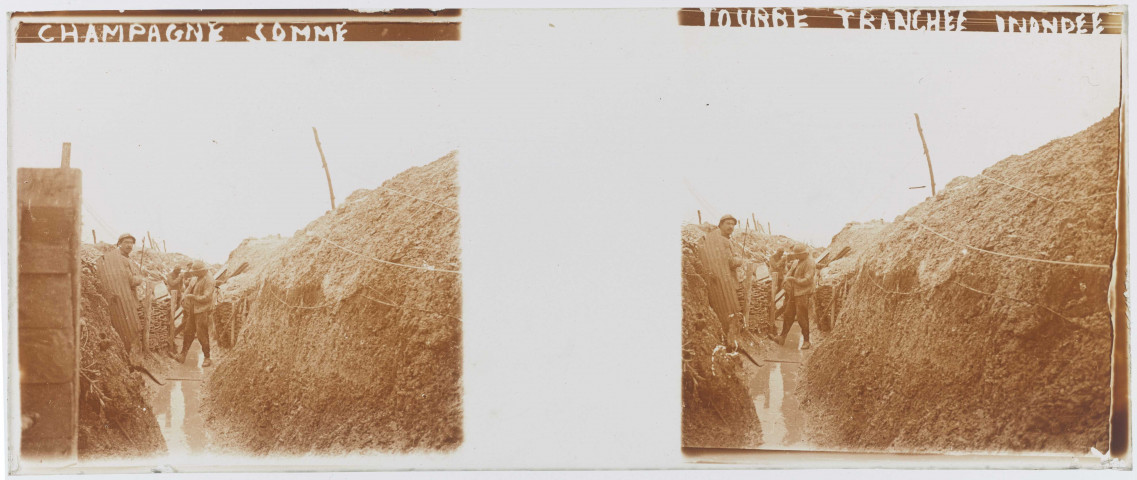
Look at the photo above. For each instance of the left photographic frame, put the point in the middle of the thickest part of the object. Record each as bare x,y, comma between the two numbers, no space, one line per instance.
233,234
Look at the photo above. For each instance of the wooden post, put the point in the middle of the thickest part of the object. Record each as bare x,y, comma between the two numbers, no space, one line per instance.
151,239
746,286
147,307
773,305
326,171
926,154
93,237
66,161
757,226
164,246
700,212
769,229
174,298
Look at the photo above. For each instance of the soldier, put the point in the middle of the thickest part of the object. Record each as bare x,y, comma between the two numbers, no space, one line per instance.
799,291
777,265
197,305
119,277
716,253
174,284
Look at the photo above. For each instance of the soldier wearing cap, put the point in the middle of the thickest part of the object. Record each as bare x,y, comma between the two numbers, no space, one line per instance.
118,277
174,284
777,265
799,291
718,256
197,305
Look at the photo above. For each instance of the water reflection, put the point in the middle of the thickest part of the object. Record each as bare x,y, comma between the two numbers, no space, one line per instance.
178,407
774,389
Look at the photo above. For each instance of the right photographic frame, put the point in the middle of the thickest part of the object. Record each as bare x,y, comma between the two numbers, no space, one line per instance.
904,231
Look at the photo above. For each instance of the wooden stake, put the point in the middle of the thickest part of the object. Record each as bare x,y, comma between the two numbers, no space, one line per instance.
746,286
769,230
174,298
93,237
326,171
164,246
773,307
151,238
147,305
700,212
757,226
926,154
66,161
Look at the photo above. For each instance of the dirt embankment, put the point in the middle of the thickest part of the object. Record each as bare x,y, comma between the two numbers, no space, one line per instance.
717,409
834,278
352,341
239,278
115,418
944,347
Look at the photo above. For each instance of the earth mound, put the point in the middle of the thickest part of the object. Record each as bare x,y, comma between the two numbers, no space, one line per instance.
717,410
838,268
352,341
239,276
979,321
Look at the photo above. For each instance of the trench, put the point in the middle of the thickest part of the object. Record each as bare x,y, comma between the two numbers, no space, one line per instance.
177,403
773,390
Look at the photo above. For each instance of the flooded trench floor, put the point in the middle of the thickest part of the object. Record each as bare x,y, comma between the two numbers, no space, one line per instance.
773,389
177,404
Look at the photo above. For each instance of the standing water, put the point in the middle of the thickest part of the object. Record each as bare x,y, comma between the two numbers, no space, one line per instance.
773,387
177,405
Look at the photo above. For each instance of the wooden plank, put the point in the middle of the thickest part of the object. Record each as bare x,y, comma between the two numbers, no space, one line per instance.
44,258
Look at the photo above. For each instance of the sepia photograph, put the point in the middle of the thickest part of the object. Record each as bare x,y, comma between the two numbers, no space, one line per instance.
330,241
910,247
230,247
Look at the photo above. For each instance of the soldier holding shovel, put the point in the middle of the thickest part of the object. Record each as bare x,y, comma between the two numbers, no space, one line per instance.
799,285
197,305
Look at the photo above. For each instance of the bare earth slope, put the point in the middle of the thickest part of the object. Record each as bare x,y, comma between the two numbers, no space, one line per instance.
943,347
353,339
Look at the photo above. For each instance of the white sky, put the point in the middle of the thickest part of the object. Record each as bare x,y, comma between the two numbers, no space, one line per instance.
806,129
579,132
204,146
812,129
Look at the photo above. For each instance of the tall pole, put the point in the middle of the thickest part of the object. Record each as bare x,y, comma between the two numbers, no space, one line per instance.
65,161
326,171
926,154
